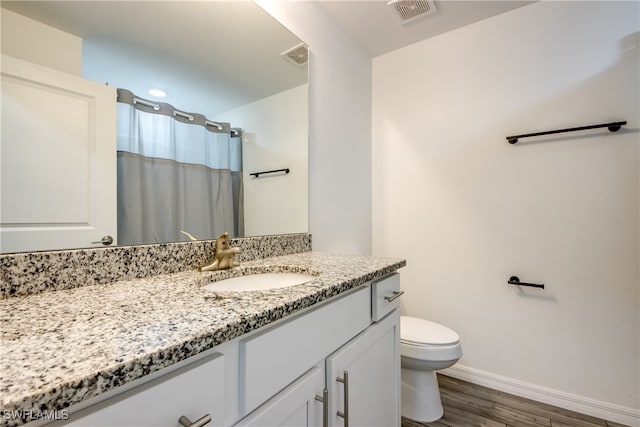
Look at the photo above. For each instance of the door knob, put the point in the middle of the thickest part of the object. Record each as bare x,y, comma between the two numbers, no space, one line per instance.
106,240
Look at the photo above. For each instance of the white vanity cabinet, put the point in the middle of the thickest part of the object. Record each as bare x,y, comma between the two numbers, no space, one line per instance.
195,392
335,364
367,368
361,379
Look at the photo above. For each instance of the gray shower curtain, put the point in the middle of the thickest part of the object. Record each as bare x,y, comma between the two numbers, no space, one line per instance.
176,171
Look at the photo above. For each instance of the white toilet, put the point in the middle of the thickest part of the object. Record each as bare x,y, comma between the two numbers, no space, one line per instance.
425,347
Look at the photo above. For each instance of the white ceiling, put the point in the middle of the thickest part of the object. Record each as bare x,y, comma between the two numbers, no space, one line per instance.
377,28
212,50
227,52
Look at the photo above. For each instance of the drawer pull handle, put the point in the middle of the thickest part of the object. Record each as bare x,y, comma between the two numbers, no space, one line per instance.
345,414
325,407
186,422
396,295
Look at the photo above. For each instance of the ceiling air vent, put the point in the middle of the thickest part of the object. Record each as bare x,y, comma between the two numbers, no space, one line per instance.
408,10
298,55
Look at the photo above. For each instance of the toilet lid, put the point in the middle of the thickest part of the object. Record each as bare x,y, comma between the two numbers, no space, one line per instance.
425,332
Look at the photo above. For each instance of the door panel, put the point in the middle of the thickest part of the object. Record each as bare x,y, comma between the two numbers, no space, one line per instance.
58,158
372,363
295,406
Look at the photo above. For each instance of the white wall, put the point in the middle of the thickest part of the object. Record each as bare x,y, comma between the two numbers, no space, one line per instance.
275,137
35,42
468,210
339,129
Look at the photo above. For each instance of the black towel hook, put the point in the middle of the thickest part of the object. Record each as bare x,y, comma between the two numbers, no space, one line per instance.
515,280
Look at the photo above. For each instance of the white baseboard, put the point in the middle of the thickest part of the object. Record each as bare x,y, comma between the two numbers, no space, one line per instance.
572,402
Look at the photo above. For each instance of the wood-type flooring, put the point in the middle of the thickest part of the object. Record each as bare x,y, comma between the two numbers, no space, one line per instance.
471,405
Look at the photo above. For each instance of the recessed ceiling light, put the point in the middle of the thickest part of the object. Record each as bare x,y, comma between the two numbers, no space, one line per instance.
158,93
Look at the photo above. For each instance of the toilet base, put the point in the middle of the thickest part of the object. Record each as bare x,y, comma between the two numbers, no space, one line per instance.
421,396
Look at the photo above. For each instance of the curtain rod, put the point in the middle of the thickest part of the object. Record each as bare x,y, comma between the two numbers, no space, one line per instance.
127,97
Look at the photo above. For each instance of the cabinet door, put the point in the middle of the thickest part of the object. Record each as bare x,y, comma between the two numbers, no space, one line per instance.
58,145
295,406
193,391
368,369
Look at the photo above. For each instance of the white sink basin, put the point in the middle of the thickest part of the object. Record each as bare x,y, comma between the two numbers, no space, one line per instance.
260,282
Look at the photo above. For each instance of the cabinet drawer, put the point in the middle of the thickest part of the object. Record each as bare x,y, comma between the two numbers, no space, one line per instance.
272,360
192,391
383,290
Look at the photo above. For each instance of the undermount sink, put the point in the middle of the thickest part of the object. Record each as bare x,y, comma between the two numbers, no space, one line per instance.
260,282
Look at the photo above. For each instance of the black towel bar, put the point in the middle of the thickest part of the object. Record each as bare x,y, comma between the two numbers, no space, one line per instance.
613,127
257,174
515,280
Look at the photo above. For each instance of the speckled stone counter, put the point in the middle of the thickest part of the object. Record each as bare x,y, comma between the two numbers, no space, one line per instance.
32,272
60,348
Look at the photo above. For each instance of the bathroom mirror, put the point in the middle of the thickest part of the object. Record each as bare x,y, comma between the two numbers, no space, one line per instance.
212,58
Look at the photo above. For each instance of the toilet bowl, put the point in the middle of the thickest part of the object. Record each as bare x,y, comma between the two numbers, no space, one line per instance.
425,347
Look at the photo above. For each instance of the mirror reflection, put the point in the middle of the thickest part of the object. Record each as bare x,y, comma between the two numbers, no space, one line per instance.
221,66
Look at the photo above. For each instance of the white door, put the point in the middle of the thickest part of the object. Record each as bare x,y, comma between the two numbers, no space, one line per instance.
58,159
368,370
295,406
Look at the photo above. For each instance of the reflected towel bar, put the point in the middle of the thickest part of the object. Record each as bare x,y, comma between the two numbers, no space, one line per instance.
257,174
613,127
515,280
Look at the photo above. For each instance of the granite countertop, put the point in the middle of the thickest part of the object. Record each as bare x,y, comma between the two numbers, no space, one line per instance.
62,347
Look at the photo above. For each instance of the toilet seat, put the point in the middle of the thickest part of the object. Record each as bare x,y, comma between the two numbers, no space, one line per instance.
417,331
426,340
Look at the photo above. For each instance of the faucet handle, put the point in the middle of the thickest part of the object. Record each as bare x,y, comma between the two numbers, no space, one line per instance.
190,236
